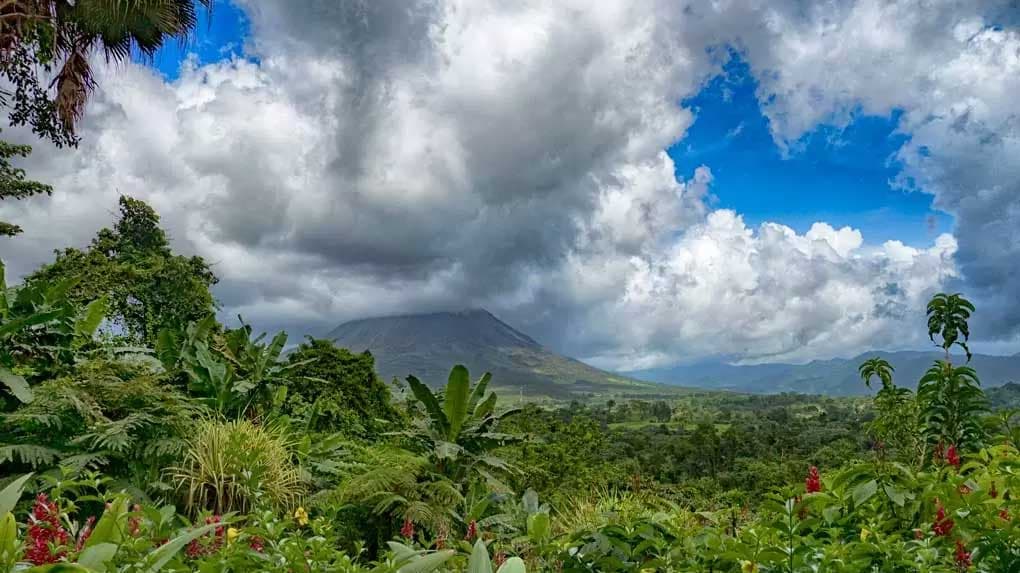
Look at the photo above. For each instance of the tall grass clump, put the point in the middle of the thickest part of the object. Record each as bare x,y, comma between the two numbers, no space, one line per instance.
235,466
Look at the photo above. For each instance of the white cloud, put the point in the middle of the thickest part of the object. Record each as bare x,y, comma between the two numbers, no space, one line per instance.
397,156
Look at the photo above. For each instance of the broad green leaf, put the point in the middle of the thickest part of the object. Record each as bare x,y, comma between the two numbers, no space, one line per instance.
863,492
479,560
97,556
160,557
455,402
428,399
427,563
479,392
108,529
10,495
90,318
17,385
512,565
538,526
400,551
8,536
895,495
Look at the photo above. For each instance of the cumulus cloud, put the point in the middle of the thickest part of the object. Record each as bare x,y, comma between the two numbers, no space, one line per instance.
953,70
394,156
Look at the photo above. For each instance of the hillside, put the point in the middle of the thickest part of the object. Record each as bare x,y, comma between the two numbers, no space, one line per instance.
428,345
837,377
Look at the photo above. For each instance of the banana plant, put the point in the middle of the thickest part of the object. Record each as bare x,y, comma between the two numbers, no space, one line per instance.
40,329
460,429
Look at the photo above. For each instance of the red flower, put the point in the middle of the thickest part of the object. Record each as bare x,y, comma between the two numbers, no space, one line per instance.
1003,514
499,559
943,525
257,544
962,556
472,530
952,457
813,482
85,533
964,489
993,492
205,544
46,538
407,531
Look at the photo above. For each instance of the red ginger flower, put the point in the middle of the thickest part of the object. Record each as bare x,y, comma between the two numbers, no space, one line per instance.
407,530
993,492
85,533
813,482
1004,514
472,530
962,556
952,457
943,525
257,544
45,534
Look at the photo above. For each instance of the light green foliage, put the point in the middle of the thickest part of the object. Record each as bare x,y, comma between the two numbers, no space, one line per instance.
951,403
896,424
237,466
148,287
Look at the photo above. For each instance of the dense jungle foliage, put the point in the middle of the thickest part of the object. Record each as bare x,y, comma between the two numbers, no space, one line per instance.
140,434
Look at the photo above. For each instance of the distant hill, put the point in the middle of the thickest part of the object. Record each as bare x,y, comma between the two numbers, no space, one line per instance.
836,377
428,345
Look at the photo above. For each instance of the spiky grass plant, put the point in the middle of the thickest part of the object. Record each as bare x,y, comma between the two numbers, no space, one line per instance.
235,466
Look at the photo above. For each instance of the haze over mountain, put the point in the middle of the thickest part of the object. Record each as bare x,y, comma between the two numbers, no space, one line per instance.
837,376
428,345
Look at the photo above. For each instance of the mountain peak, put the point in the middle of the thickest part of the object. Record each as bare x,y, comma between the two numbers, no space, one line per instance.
429,344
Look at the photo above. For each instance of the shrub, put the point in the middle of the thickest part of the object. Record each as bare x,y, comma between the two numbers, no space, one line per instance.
236,466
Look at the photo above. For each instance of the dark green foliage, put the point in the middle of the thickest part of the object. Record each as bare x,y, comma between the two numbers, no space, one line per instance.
951,404
112,414
40,330
13,184
338,390
149,288
947,317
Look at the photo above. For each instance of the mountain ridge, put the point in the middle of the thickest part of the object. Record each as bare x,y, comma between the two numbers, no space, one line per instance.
834,376
427,345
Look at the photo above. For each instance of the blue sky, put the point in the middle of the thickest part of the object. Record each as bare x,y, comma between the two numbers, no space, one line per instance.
840,176
218,35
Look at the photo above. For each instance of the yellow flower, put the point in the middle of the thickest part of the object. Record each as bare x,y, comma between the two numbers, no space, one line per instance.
232,534
301,516
748,567
865,533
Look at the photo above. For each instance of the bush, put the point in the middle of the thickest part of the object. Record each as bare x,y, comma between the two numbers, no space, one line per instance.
237,466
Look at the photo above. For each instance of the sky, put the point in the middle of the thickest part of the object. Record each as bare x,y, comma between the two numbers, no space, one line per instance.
636,184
